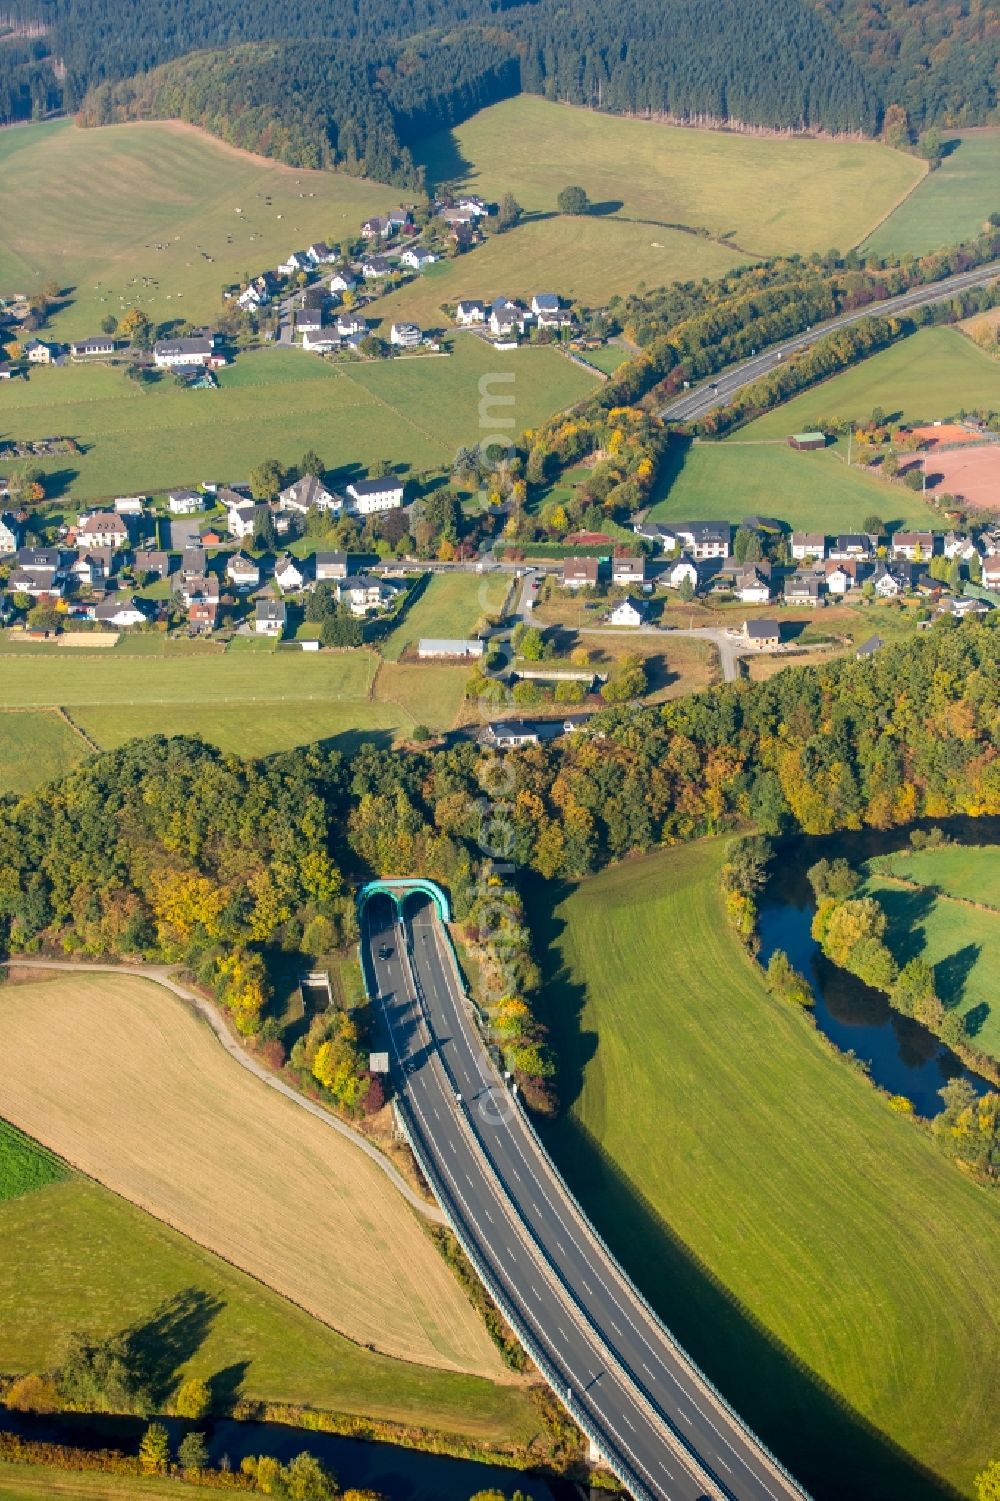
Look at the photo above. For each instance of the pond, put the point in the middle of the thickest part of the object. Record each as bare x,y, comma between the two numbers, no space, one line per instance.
902,1056
398,1474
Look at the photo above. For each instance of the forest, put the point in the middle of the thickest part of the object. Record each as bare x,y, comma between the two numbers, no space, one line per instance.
169,849
359,86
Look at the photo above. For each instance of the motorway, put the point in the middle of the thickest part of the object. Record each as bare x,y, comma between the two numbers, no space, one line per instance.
665,1432
724,386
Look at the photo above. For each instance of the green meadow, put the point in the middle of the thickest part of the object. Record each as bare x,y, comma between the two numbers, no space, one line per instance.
811,491
928,376
36,746
948,205
935,922
831,1271
276,404
159,216
450,607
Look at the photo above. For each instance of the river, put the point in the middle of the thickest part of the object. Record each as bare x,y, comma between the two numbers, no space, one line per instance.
902,1056
398,1474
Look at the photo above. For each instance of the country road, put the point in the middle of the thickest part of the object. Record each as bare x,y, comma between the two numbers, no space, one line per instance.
660,1425
724,386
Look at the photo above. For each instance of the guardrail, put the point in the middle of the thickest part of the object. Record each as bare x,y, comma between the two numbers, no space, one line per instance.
634,1291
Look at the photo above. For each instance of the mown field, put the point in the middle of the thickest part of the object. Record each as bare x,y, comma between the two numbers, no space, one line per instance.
159,216
762,195
196,1315
958,940
249,702
277,403
155,1109
28,1483
929,376
832,1272
950,204
451,606
811,491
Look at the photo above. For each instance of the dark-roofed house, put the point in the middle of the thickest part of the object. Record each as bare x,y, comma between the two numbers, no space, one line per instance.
375,227
374,266
308,319
269,617
83,349
119,613
805,589
630,612
468,311
368,496
580,573
752,583
704,539
307,494
628,572
509,734
149,561
289,573
762,635
850,547
364,593
870,647
196,350
242,572
185,502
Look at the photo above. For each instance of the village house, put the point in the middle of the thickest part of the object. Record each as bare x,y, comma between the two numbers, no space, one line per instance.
270,616
185,502
962,606
703,539
841,578
869,648
365,594
243,520
39,571
890,581
194,561
351,325
762,635
192,586
376,228
343,280
913,546
656,532
92,566
630,611
308,319
289,574
130,505
331,566
149,562
628,572
242,572
101,529
468,313
805,589
991,572
684,571
375,266
120,614
369,496
417,257
321,340
11,532
309,494
199,349
35,583
508,317
852,547
752,583
405,335
37,352
320,253
203,615
296,262
549,312
808,545
960,546
100,347
580,573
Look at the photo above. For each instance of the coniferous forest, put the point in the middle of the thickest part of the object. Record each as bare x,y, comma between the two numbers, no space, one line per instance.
341,84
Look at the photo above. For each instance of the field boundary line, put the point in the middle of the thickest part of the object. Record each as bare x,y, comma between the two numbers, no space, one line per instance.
888,215
64,715
937,892
161,975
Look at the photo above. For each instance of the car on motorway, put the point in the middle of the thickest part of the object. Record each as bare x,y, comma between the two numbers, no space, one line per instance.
385,950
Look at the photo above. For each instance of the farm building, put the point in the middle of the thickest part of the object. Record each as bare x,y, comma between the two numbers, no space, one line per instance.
432,647
807,442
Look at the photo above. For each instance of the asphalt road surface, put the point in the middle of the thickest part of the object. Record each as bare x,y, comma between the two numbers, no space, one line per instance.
705,398
664,1430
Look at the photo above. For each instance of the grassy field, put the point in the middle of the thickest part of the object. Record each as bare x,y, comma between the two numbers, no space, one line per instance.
809,1247
146,215
926,377
250,702
64,1250
36,747
811,491
763,195
277,403
178,1128
29,1483
950,204
450,607
959,941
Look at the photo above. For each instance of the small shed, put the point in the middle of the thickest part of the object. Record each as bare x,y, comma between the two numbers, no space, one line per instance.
806,442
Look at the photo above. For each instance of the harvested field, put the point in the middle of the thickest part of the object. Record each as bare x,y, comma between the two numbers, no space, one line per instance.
151,1106
971,474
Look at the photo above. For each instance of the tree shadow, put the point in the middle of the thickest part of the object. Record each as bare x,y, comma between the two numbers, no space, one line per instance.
445,162
976,1018
59,481
226,1386
830,1448
670,468
605,209
951,974
171,1336
906,911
